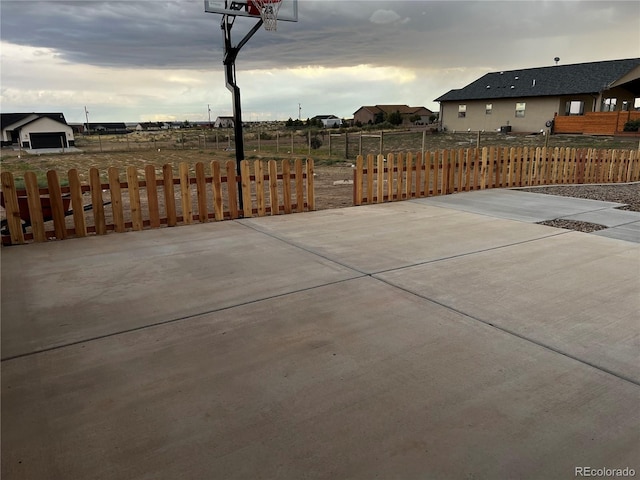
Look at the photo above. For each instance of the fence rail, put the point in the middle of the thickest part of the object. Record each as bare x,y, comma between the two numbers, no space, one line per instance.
403,176
122,201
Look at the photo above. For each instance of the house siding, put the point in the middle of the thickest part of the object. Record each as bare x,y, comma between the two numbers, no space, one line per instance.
538,111
45,125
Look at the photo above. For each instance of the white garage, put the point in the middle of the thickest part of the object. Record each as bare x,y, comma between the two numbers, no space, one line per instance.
35,131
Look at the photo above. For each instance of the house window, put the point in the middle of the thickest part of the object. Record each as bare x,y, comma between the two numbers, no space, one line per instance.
625,106
609,104
462,111
520,108
488,108
574,107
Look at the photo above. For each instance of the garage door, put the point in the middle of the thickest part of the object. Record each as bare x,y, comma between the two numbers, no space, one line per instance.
48,140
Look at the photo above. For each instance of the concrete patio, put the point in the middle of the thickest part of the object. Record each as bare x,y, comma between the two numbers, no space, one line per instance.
408,340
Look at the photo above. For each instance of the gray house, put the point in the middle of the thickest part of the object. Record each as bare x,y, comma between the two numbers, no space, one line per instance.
528,100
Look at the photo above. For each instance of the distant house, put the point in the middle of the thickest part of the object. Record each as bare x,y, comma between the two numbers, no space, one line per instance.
378,113
111,128
36,130
328,121
595,97
149,126
224,122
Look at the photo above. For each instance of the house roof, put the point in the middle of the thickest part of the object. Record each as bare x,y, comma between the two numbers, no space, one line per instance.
403,109
325,117
9,119
107,125
579,78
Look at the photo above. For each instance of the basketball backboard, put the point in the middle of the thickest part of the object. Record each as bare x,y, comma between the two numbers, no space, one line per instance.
288,9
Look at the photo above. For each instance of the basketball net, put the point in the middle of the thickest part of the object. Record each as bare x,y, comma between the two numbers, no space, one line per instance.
268,12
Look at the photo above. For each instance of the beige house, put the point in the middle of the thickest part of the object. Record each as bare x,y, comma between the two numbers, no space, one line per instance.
529,100
370,115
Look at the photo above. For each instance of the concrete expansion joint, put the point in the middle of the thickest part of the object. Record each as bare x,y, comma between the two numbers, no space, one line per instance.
513,333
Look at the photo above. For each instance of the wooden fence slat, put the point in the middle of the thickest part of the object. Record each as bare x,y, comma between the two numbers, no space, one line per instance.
232,189
152,196
97,202
409,179
12,208
444,184
169,195
427,173
201,193
133,186
370,178
467,169
216,185
185,193
273,187
390,175
116,199
483,172
57,205
286,185
358,180
400,177
459,169
435,183
299,185
311,197
504,179
380,179
35,207
75,188
258,168
245,180
418,177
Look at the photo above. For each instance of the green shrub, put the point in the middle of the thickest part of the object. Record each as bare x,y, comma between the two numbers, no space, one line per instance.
632,126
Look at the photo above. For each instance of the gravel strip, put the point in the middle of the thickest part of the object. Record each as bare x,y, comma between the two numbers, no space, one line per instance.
627,194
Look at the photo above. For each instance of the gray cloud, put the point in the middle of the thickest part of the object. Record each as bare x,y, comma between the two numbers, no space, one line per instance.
142,58
329,33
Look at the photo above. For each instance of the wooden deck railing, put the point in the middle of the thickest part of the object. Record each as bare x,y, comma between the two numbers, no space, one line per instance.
126,202
595,123
398,177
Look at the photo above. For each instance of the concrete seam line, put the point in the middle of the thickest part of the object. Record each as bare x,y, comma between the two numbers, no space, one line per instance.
459,255
175,320
300,247
513,333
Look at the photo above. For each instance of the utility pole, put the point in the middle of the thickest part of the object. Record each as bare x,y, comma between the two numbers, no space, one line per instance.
299,111
86,115
209,109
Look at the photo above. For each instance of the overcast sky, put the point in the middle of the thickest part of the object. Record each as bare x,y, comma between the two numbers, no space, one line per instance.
142,60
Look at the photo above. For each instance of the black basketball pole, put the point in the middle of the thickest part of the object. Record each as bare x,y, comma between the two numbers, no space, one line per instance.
229,61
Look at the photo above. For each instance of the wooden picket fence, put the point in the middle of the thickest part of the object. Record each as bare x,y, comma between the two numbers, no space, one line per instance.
404,176
126,203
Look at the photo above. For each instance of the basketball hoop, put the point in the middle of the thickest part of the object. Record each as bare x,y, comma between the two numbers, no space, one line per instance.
268,10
